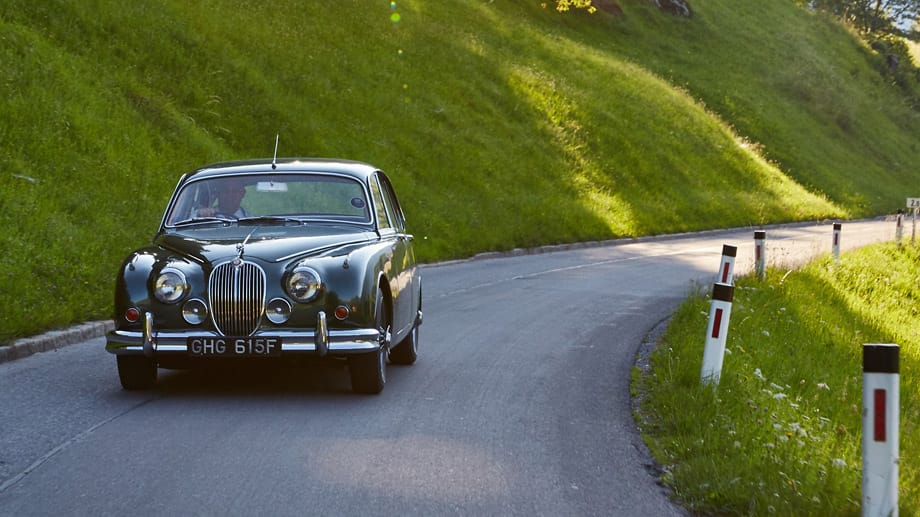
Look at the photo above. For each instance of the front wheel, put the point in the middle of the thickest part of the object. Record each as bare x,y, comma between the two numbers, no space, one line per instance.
406,352
369,370
136,372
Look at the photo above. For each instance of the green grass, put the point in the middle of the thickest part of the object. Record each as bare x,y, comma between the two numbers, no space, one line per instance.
502,124
781,434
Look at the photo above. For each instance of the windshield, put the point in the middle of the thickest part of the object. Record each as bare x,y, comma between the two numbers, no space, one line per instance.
306,196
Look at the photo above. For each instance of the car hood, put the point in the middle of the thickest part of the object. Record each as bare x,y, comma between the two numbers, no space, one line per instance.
269,243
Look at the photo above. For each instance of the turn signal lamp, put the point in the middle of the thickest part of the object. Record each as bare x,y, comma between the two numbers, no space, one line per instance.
132,315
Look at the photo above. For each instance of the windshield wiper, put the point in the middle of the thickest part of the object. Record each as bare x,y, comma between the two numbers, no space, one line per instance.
203,220
271,219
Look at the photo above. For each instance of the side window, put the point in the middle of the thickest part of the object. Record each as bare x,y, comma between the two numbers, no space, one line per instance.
383,216
392,202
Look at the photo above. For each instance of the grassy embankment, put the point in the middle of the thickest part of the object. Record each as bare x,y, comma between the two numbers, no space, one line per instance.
781,434
503,124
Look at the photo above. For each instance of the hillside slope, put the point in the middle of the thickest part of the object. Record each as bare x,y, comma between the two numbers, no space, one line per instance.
503,124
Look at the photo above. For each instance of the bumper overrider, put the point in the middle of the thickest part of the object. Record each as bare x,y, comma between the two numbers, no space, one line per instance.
320,341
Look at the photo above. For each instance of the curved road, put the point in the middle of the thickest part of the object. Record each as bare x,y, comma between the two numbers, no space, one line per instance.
519,404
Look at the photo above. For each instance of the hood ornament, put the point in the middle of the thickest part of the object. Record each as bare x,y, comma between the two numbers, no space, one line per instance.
241,248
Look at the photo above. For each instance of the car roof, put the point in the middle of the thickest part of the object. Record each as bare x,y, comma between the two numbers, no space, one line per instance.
357,170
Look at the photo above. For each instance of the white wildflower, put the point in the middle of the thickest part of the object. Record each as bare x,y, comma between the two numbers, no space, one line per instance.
776,387
737,444
823,386
759,375
839,463
765,333
779,396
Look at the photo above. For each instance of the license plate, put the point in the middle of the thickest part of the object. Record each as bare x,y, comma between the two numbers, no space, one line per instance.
234,346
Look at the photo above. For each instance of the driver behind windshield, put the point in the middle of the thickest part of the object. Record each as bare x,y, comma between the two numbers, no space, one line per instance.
229,196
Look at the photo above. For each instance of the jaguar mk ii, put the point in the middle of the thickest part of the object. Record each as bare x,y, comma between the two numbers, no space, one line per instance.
272,259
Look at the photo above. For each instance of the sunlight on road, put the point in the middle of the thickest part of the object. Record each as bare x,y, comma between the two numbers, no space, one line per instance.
413,466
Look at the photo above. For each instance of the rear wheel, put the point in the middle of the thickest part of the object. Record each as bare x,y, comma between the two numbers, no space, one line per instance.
369,371
136,372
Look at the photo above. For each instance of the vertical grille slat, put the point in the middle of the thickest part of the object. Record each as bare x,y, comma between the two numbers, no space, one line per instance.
237,292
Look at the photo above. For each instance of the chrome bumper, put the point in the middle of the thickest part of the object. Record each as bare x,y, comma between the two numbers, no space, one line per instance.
319,341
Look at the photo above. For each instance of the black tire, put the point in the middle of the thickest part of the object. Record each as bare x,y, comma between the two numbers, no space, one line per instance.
406,352
136,372
369,371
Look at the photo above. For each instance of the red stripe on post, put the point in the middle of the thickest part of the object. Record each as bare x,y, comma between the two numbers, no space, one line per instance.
717,324
757,252
725,273
836,239
879,414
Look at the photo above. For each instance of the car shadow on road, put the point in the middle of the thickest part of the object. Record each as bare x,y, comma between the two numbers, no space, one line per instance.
309,377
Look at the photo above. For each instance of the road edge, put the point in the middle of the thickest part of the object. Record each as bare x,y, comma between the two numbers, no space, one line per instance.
54,339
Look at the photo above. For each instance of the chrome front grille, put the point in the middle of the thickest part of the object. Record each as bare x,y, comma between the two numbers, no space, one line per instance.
237,292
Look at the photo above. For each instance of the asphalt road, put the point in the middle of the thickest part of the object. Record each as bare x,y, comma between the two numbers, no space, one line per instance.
519,404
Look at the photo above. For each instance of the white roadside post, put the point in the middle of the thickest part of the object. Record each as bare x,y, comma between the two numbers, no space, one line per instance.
899,227
727,266
881,407
720,310
836,246
913,203
760,253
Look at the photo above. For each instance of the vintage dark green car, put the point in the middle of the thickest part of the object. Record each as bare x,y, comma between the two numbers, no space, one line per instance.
272,260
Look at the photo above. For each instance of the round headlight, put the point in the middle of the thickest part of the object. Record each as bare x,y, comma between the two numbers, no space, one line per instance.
303,284
194,312
170,286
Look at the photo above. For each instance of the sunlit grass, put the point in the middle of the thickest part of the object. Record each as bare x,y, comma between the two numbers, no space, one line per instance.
502,124
781,434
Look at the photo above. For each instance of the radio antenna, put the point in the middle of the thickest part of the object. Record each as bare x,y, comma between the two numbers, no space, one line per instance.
275,158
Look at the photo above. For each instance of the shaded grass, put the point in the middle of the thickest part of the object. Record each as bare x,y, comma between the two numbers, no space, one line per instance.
782,432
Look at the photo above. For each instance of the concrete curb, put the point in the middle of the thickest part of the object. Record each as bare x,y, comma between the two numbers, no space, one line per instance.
54,340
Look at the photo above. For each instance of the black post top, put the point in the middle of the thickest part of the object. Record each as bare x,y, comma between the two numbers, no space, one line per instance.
723,292
881,358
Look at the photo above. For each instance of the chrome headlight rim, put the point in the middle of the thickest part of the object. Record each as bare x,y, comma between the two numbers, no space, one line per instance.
303,284
170,286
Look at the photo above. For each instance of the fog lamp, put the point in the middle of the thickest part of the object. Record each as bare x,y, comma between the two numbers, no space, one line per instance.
278,311
194,312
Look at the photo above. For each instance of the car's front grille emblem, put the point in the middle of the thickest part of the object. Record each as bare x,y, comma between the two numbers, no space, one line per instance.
237,293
